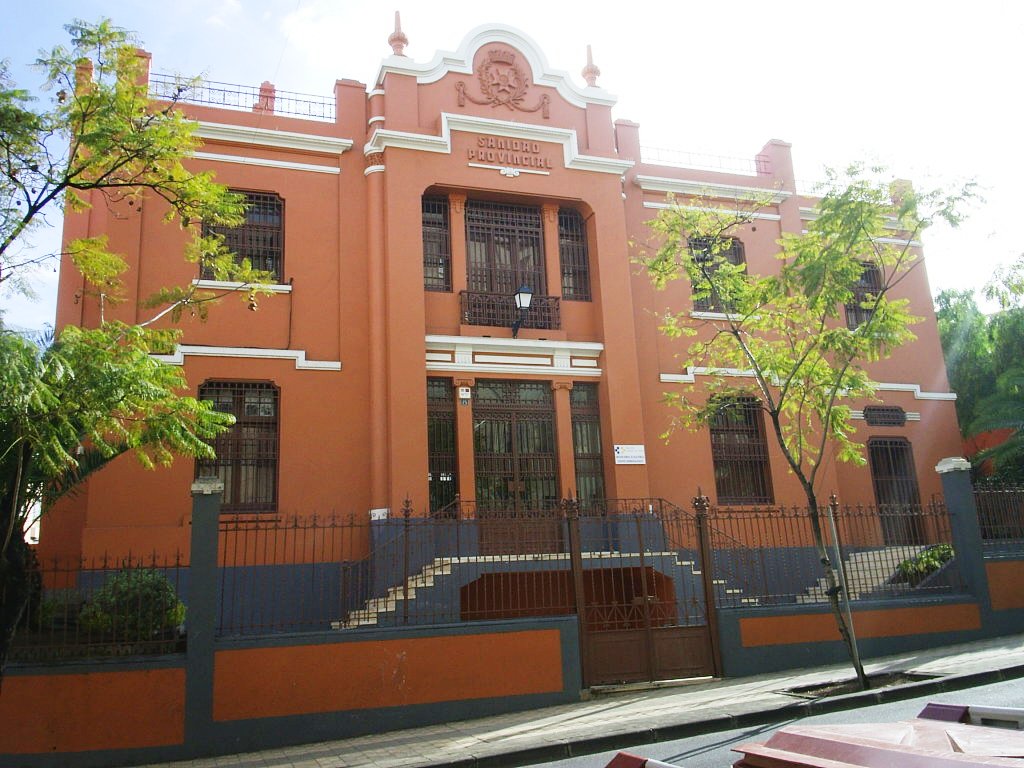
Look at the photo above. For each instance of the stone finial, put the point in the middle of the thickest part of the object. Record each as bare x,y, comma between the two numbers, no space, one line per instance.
590,72
397,39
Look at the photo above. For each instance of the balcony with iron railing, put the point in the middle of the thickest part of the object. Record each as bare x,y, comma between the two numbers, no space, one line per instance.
496,309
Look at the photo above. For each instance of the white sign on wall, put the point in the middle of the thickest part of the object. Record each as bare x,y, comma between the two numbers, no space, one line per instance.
630,454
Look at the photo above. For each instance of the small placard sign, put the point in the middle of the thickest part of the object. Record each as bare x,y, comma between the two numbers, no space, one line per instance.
630,454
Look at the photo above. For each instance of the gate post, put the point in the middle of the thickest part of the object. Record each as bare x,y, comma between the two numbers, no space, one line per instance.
571,514
701,505
202,612
955,474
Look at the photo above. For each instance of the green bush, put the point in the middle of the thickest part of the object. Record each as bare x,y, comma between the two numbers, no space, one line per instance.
915,569
133,604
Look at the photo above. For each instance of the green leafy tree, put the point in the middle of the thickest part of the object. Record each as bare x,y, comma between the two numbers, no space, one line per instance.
68,408
786,332
968,350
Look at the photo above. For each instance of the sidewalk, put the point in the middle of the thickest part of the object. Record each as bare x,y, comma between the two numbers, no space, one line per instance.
626,718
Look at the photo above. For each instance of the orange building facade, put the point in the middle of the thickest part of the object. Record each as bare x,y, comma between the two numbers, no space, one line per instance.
391,362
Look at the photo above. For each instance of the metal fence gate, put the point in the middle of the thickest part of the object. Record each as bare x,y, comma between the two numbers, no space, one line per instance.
645,605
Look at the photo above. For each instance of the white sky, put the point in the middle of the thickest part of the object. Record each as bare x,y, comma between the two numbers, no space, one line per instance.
929,89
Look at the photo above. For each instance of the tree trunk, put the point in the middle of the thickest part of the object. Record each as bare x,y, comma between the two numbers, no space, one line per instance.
833,589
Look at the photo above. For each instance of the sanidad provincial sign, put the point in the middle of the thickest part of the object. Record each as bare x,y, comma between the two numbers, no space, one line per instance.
512,152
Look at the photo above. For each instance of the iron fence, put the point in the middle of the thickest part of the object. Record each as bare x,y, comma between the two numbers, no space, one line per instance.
1001,518
109,606
604,559
241,97
769,556
747,166
499,309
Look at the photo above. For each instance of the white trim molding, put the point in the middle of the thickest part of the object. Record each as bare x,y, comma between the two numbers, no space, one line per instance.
298,355
461,62
383,138
374,169
482,355
910,415
265,137
283,164
721,211
696,188
880,386
225,285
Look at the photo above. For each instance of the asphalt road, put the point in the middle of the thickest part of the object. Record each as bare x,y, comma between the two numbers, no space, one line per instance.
714,750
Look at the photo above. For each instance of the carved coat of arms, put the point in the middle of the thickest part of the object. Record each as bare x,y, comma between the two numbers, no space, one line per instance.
502,84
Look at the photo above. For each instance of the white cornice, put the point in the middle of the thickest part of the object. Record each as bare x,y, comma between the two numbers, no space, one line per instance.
265,137
282,164
720,211
461,61
383,138
910,415
298,355
690,377
697,188
224,285
483,355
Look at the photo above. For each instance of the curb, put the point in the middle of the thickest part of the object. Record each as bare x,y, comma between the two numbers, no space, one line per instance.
595,744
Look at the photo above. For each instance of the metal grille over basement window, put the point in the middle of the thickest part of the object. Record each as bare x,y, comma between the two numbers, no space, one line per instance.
740,454
885,416
572,253
437,250
441,456
247,454
701,248
586,442
260,239
865,289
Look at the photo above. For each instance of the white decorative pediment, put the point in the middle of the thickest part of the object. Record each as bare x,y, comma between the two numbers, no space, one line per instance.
461,61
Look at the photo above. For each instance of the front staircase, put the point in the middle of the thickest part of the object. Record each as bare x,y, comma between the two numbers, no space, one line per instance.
434,576
866,572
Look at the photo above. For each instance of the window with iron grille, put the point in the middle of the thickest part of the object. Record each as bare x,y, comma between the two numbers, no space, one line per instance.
896,491
504,248
247,453
260,238
586,441
739,451
885,416
441,456
703,250
572,254
437,249
866,288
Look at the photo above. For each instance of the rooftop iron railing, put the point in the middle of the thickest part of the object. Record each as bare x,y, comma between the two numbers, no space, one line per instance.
248,98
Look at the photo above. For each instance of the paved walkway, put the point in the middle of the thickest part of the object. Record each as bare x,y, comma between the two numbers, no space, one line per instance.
629,717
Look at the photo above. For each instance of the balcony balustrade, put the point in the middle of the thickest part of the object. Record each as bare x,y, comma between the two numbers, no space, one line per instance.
500,310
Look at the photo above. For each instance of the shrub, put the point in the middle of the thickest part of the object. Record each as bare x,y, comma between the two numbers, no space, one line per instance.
915,569
135,604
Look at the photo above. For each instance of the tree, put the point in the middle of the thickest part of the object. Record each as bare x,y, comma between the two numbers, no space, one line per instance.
967,348
805,335
983,354
68,408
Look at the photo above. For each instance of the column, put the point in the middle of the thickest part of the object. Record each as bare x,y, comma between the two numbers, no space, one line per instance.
202,612
552,262
563,436
457,240
955,474
378,332
465,455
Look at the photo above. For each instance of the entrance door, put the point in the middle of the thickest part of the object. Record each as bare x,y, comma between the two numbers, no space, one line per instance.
516,461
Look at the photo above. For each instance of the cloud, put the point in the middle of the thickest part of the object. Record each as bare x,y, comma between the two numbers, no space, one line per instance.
224,13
